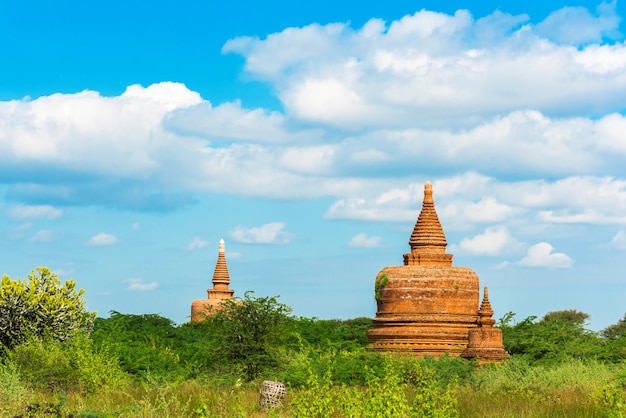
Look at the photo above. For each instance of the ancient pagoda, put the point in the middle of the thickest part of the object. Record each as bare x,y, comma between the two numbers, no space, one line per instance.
427,306
221,279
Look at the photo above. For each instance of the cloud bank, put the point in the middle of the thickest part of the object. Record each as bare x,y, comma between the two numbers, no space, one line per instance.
519,125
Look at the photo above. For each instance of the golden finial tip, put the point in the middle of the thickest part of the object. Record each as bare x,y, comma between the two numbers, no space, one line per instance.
221,247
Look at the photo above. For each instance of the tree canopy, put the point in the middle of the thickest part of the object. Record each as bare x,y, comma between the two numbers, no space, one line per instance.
251,332
41,307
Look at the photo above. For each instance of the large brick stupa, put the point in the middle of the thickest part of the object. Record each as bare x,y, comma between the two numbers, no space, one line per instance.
427,306
221,279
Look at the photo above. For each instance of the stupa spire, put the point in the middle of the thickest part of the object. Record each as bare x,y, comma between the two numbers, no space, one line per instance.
485,312
201,308
221,278
428,241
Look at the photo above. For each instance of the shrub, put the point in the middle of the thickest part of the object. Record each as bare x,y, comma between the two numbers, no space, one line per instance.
12,392
66,365
251,332
41,307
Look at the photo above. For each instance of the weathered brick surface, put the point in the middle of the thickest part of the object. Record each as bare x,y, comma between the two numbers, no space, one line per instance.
427,306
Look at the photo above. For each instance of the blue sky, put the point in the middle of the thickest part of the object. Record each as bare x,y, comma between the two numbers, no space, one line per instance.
133,138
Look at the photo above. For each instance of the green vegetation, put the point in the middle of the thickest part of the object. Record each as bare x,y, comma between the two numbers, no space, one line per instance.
379,284
147,366
41,307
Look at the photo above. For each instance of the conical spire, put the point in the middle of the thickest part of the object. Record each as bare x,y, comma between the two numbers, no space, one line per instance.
428,231
485,312
221,278
200,309
428,241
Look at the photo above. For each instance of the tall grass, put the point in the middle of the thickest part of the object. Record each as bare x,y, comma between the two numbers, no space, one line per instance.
402,388
571,389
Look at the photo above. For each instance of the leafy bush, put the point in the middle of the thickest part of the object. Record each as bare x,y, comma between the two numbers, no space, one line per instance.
72,364
12,392
144,344
403,388
615,331
41,307
251,333
323,333
558,337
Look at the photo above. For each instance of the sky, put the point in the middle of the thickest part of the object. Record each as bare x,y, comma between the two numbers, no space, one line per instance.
134,136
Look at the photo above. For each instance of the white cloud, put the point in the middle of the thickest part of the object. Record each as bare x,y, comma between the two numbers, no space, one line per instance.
270,233
102,239
363,240
20,211
369,114
619,240
86,132
366,209
494,241
470,198
229,121
137,284
435,69
196,244
43,235
311,160
486,210
541,255
576,25
136,226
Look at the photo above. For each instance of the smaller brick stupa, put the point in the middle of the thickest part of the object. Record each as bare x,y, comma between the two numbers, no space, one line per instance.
485,342
203,307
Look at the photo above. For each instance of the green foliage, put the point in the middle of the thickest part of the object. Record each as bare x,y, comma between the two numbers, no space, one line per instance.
72,364
332,333
615,331
611,400
570,316
41,307
558,337
345,367
251,333
379,284
403,388
144,344
519,388
12,392
518,376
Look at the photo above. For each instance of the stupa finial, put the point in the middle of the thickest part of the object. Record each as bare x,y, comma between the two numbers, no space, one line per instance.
428,192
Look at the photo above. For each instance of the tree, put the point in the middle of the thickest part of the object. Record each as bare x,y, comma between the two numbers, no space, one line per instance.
615,331
570,316
147,344
41,307
250,332
559,336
